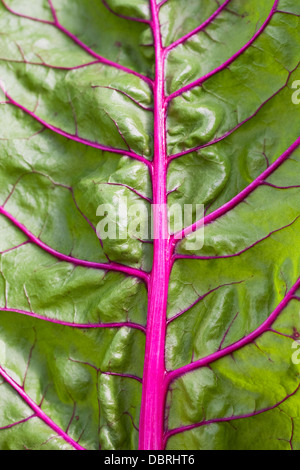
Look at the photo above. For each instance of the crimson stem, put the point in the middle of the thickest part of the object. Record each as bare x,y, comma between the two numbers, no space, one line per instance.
154,389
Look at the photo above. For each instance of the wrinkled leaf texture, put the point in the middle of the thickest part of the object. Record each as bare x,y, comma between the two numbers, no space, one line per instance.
190,99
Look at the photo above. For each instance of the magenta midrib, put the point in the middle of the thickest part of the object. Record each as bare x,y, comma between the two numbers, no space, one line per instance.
153,392
158,170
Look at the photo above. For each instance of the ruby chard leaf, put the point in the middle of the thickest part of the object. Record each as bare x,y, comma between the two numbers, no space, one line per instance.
149,342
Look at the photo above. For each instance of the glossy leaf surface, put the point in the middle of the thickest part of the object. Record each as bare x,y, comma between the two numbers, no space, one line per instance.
132,343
